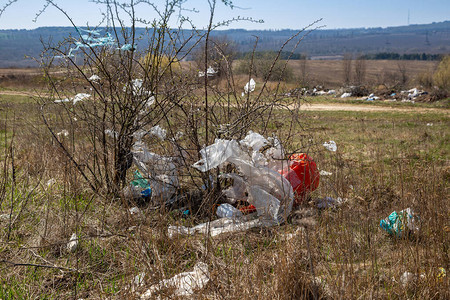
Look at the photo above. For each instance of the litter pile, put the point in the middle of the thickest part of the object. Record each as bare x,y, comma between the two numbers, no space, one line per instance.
265,180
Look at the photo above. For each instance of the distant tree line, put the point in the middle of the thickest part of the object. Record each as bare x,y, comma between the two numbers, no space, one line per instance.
398,56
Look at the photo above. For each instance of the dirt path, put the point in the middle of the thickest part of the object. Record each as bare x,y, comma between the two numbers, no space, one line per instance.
366,108
314,106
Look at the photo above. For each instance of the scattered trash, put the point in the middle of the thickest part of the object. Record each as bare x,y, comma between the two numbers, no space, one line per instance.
320,93
402,222
94,78
72,245
126,47
63,132
331,92
77,98
429,124
325,173
134,210
331,146
408,101
112,133
62,100
138,281
209,72
51,182
328,202
226,210
409,278
441,273
250,86
346,95
290,236
183,284
80,97
393,94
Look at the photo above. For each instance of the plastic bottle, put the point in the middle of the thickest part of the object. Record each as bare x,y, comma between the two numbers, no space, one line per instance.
228,211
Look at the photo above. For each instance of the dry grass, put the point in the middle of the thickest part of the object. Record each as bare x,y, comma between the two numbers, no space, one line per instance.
385,162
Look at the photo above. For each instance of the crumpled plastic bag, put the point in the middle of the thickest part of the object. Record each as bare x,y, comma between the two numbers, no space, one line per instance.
254,141
398,223
250,86
160,171
331,146
217,153
183,284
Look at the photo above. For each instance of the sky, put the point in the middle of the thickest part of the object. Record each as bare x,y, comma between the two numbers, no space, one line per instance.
278,14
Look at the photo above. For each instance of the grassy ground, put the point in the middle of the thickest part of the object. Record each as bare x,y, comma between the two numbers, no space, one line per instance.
385,161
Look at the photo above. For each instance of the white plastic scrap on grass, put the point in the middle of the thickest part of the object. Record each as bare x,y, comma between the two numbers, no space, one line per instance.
325,173
183,284
346,95
331,146
77,98
72,245
63,132
267,190
94,78
250,86
209,72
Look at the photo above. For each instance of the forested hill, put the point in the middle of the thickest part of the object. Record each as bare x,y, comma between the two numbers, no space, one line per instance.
16,45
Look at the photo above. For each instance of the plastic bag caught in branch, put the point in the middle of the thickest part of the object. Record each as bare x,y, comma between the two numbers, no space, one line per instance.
217,153
250,86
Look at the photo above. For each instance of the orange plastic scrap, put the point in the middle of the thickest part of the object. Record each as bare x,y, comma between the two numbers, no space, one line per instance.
303,175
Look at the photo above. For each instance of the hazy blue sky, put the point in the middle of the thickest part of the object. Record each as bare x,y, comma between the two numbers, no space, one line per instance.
278,14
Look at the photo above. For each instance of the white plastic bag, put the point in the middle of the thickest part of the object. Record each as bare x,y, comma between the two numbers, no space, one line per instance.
250,86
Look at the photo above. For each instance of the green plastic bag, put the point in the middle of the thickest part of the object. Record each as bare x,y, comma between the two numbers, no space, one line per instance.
140,181
398,223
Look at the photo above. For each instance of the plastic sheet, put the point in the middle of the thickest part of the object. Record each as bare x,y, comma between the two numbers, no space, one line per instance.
158,132
183,284
216,227
254,141
217,153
